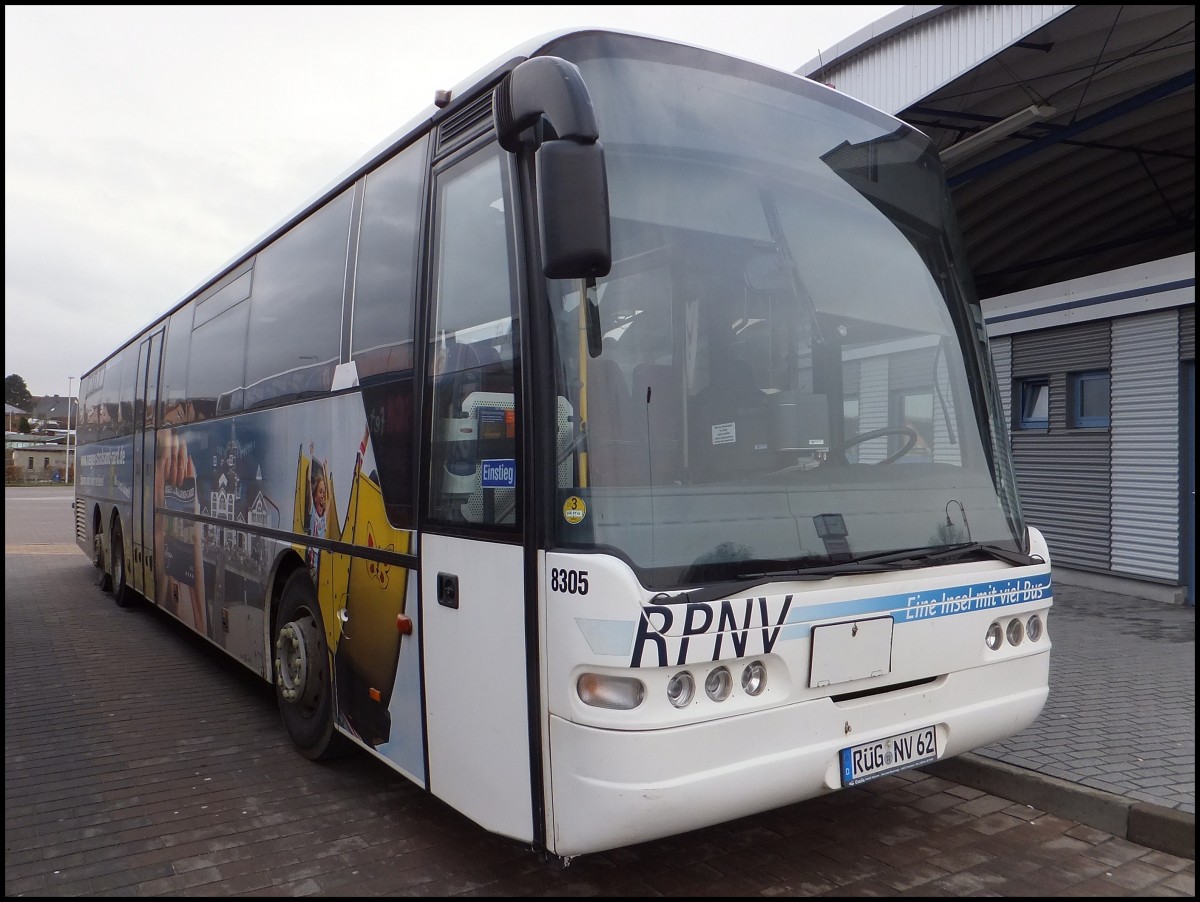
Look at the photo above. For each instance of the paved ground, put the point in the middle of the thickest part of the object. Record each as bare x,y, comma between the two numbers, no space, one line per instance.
139,761
1121,716
1115,746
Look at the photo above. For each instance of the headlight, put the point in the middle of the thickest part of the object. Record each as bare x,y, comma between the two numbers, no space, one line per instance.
603,691
719,684
754,678
681,688
1033,628
995,636
1015,632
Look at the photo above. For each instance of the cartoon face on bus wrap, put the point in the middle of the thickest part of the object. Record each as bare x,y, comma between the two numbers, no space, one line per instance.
362,599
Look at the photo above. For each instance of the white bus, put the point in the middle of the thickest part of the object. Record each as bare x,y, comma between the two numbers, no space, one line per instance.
613,452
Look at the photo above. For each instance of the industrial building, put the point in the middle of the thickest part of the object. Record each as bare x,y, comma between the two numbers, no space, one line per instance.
1068,134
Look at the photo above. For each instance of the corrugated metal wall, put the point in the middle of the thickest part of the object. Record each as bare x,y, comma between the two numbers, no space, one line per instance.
1145,440
1001,350
1187,333
1064,473
872,407
918,60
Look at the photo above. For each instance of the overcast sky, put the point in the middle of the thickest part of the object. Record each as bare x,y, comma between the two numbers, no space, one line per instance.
145,147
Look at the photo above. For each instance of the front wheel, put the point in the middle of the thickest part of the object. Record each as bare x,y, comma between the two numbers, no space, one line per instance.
303,682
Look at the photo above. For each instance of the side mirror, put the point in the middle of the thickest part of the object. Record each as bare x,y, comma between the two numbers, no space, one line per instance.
572,189
572,184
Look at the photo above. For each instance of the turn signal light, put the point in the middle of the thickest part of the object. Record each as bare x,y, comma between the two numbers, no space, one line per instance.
603,691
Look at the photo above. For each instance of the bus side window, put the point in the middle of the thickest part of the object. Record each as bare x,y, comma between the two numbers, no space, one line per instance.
294,330
172,395
389,407
471,350
385,269
382,322
216,361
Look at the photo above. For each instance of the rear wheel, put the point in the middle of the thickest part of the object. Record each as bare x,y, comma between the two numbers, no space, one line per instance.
120,588
103,579
303,681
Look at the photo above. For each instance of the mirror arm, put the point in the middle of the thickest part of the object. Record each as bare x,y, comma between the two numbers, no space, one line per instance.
544,86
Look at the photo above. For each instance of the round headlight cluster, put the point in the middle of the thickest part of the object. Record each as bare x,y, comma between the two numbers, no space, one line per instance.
1033,628
681,688
718,685
995,636
754,678
1015,631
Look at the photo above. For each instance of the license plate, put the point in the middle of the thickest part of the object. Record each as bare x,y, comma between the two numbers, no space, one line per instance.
861,763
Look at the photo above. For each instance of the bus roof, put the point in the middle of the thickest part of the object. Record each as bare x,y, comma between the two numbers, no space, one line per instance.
418,123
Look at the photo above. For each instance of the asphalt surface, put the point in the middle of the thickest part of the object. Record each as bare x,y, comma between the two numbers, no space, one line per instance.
140,761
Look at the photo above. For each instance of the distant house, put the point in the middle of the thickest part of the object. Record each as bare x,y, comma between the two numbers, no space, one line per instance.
51,412
12,417
36,458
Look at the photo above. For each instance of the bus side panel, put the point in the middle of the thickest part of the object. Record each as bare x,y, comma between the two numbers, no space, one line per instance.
104,477
383,711
307,470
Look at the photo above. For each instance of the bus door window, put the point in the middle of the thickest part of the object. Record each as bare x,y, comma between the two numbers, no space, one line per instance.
471,351
382,330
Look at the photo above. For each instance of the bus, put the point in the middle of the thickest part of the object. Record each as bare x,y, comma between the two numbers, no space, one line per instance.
613,451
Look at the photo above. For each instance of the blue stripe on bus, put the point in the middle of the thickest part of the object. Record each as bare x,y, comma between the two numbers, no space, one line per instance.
907,607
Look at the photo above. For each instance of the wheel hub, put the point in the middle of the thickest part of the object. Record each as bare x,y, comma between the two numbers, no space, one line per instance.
296,660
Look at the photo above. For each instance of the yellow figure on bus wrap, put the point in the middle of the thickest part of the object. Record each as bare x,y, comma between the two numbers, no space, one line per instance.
362,600
375,608
374,622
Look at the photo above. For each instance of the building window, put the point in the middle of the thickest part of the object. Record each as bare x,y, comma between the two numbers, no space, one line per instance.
1035,404
1090,399
850,426
913,410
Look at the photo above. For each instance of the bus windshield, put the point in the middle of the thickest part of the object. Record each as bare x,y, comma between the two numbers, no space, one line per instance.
786,367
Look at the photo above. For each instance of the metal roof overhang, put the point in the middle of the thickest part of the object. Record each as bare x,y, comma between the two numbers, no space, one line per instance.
1088,164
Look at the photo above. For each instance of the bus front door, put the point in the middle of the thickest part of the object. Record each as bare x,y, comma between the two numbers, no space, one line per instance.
470,548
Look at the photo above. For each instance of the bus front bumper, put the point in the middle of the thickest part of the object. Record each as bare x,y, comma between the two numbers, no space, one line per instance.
613,788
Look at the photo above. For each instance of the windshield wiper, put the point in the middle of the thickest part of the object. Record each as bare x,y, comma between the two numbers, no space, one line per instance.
882,562
746,582
942,554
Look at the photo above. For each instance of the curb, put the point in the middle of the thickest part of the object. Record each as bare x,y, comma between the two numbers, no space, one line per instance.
1146,824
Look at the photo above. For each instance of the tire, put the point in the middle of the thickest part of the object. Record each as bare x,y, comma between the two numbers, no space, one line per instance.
303,676
122,594
103,579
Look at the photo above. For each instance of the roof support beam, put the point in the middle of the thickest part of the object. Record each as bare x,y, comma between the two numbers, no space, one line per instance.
1059,135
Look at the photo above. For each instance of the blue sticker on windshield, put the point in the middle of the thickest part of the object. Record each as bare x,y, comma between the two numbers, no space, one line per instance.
499,474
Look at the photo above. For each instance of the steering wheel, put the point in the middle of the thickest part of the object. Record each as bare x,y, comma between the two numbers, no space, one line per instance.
909,434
